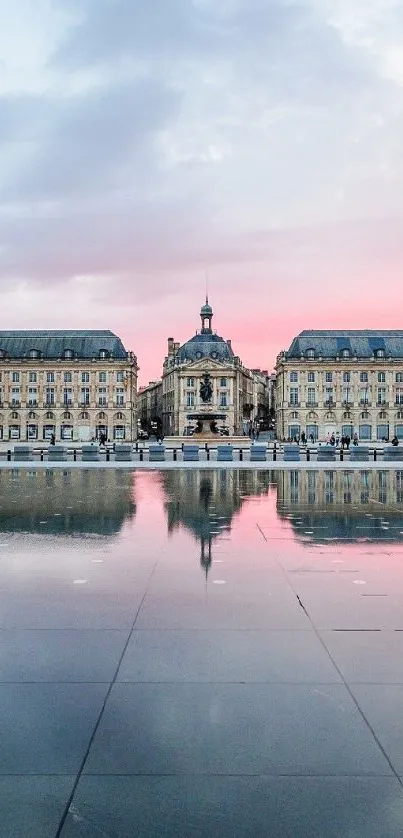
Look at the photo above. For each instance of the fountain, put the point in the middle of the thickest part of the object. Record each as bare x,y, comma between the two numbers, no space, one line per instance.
206,418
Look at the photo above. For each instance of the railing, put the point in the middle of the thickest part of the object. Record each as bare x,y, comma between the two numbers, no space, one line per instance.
330,403
294,404
365,403
312,404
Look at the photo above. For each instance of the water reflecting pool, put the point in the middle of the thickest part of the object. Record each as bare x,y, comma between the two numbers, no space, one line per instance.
201,653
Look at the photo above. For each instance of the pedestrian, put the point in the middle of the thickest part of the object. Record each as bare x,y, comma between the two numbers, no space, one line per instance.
52,439
395,440
348,440
303,438
355,439
343,441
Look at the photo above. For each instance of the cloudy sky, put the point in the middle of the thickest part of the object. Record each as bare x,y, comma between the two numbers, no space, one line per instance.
143,140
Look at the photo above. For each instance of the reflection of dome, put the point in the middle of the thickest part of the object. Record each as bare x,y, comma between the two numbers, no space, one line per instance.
205,344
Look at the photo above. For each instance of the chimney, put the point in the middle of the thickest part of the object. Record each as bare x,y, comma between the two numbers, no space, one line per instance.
170,346
176,346
229,344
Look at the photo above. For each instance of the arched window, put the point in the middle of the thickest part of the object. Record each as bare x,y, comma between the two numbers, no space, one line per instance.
379,353
34,353
294,414
101,415
345,353
14,415
67,415
68,353
103,353
365,415
119,416
84,415
310,353
49,415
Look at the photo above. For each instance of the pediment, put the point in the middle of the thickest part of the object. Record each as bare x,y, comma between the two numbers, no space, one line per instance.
203,364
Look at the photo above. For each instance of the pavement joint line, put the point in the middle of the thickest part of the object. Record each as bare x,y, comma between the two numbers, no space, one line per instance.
102,710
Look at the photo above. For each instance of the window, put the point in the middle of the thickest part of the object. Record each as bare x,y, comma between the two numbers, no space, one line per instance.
311,396
32,396
120,377
347,395
294,395
15,377
223,400
67,377
381,395
311,377
190,382
345,353
379,353
120,395
32,377
364,395
310,353
346,377
329,396
68,353
365,432
223,382
103,353
50,377
363,376
15,395
399,395
103,377
67,395
102,396
85,395
190,399
85,377
33,353
293,376
329,377
399,377
50,395
381,377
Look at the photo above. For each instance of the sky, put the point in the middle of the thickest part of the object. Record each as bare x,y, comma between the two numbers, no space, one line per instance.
147,144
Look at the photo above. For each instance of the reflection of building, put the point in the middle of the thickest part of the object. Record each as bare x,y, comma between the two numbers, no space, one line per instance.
341,381
74,385
57,502
239,395
341,504
205,502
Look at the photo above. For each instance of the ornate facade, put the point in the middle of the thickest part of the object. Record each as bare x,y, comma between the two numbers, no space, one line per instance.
74,385
238,396
341,382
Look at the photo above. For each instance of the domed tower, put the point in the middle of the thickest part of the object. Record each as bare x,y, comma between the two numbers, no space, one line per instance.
206,314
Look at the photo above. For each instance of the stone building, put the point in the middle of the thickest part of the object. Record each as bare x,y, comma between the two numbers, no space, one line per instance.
73,384
341,382
150,407
236,391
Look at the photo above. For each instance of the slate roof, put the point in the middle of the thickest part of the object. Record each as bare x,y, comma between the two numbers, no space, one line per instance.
205,345
52,344
361,343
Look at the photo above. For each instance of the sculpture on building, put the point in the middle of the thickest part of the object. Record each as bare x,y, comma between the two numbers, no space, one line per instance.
206,389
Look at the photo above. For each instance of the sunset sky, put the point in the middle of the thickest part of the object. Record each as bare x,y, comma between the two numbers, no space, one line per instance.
142,140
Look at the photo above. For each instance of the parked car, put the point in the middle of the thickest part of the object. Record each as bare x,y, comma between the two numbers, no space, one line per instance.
142,434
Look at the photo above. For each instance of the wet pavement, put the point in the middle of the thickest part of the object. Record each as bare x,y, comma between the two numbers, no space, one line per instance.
193,653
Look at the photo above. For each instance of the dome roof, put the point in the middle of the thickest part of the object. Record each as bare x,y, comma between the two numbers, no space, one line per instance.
205,345
206,309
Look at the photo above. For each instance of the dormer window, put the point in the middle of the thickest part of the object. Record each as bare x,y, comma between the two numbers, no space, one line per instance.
379,353
310,353
103,353
68,354
34,353
2,353
345,353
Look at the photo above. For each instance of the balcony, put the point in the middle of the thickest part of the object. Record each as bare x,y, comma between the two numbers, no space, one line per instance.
119,404
49,405
32,402
102,403
84,404
347,404
381,403
312,404
365,403
15,403
330,403
294,404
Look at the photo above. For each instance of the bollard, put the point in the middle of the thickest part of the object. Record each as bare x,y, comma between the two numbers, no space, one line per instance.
75,455
41,455
374,455
108,455
274,453
141,455
241,454
9,455
207,452
137,448
341,455
308,455
175,455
